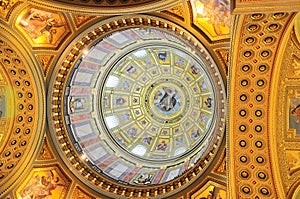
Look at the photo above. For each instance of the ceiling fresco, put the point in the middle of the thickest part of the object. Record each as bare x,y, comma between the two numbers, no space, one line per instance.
212,17
154,106
46,182
141,107
130,99
42,28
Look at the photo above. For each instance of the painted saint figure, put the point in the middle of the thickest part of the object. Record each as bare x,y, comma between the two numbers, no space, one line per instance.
131,70
41,186
119,101
168,101
144,178
162,56
39,23
296,112
131,132
162,146
195,69
208,102
147,140
195,134
294,117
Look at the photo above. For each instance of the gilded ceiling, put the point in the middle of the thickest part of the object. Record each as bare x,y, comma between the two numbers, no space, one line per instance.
157,106
129,99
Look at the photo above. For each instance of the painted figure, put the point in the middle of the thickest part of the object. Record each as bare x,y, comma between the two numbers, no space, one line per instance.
296,112
180,62
195,69
195,134
168,101
208,102
41,187
216,12
147,140
144,178
203,86
131,132
126,85
203,117
125,116
294,116
79,103
162,56
162,146
179,140
39,23
131,70
119,101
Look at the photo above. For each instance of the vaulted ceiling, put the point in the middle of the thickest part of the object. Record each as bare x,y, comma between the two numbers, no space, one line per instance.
149,99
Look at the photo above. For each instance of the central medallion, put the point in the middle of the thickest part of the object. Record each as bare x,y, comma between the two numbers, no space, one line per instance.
167,100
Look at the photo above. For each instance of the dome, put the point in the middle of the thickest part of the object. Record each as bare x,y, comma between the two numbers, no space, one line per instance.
141,106
152,105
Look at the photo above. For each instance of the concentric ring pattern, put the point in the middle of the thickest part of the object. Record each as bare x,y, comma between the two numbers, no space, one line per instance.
141,107
157,103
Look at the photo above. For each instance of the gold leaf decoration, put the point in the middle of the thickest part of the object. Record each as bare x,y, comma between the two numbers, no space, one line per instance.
224,55
79,20
5,8
45,153
80,194
45,61
178,11
222,168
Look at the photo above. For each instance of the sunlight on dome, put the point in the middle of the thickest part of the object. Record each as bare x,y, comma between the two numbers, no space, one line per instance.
112,121
139,150
179,151
112,82
140,53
